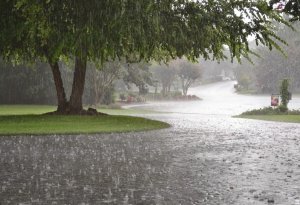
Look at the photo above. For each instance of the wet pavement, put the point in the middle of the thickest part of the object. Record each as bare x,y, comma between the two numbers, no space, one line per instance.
206,157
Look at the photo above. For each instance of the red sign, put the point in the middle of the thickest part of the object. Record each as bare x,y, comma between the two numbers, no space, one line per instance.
274,100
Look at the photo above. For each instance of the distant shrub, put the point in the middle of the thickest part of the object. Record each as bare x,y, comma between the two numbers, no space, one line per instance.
110,106
172,96
132,94
115,106
140,99
122,96
194,97
176,94
280,110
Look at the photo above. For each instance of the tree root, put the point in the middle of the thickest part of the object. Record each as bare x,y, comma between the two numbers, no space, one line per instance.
88,112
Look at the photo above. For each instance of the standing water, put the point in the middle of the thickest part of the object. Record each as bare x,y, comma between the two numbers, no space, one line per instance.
206,157
218,99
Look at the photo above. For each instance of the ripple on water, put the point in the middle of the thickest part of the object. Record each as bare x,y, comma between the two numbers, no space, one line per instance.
203,159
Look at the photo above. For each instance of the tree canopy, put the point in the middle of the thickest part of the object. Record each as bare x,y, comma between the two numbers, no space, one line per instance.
108,29
93,30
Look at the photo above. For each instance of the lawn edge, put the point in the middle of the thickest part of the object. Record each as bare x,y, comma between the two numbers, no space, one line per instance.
254,117
162,125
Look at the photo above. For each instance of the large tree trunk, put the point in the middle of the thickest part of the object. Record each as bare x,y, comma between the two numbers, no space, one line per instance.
78,86
62,103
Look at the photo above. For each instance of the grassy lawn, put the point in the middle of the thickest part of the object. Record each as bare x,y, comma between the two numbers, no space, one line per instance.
25,109
26,119
40,109
276,118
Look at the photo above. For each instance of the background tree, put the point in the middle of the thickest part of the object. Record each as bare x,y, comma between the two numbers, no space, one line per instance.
213,71
187,72
267,71
138,74
102,80
26,84
166,76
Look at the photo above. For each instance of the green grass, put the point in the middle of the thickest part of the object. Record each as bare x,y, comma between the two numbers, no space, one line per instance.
26,120
25,109
276,118
40,109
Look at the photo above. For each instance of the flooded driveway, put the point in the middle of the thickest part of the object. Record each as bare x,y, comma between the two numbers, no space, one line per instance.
207,157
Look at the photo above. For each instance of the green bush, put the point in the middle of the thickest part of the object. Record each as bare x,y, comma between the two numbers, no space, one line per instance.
284,95
176,94
280,110
122,96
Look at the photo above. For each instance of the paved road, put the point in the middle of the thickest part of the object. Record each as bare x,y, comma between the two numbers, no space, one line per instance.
207,157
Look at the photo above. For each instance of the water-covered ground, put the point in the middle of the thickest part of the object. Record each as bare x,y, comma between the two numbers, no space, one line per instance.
207,157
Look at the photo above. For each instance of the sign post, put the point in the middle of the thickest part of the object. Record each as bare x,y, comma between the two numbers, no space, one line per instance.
274,100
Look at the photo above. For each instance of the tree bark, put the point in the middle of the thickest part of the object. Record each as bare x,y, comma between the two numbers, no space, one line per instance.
62,103
78,85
